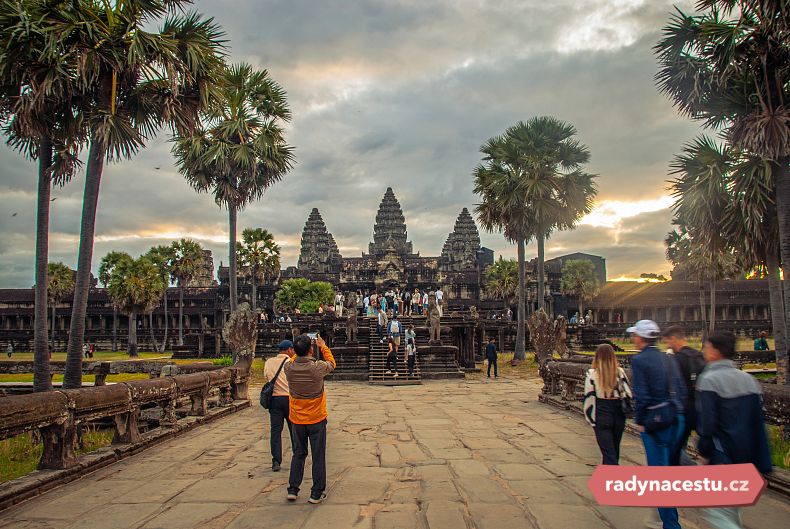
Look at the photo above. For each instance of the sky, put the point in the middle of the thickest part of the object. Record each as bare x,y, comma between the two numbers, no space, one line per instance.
402,94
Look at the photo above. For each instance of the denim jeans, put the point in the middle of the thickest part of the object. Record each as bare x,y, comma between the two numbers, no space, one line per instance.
659,448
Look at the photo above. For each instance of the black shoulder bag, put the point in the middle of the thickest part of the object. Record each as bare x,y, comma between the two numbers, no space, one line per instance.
664,414
268,388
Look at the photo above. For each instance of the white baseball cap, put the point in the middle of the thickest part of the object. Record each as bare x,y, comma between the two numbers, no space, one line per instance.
645,329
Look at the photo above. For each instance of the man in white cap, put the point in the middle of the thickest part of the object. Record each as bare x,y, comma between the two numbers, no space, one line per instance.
659,394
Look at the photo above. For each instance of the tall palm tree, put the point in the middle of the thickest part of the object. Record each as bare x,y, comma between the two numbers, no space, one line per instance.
135,287
60,285
37,102
184,265
240,149
162,257
729,67
260,257
106,267
135,81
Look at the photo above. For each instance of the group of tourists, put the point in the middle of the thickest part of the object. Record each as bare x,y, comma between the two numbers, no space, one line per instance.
391,330
400,302
673,394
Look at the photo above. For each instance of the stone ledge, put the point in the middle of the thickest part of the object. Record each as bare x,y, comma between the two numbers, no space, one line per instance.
40,481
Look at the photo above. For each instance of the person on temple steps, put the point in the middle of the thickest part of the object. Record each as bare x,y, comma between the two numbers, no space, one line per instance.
607,395
394,329
392,357
278,409
411,354
730,421
307,411
381,324
659,394
491,356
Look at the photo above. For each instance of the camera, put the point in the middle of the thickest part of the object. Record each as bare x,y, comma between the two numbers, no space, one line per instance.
316,349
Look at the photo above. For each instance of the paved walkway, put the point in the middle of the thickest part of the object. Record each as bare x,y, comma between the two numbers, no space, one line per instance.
445,455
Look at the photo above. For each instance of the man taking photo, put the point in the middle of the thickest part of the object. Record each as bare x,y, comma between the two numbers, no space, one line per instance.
307,411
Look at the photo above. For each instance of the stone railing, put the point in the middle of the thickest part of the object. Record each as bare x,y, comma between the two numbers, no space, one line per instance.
58,414
564,385
101,369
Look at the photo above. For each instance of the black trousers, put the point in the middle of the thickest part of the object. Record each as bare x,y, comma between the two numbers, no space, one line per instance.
410,363
392,360
496,369
278,414
609,426
316,435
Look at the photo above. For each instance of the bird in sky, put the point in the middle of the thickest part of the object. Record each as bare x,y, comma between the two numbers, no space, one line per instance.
54,199
14,214
156,168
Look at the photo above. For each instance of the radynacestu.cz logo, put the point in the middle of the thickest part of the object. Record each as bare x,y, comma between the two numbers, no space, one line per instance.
684,486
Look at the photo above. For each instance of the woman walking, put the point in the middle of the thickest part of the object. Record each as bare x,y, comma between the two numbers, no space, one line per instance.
392,357
607,395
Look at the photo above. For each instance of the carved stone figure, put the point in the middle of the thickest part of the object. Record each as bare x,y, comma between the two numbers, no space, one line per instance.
434,324
351,318
473,312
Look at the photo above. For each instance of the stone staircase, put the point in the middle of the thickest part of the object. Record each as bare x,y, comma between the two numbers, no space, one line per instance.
378,358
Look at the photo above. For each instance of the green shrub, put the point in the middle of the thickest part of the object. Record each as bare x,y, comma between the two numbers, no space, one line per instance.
224,361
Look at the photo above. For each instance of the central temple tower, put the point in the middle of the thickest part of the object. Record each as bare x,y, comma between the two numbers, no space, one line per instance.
389,232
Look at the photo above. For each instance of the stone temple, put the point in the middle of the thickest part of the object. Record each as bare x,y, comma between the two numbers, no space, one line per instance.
391,260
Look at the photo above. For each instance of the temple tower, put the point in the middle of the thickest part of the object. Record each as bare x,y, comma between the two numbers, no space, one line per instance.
389,233
319,253
461,247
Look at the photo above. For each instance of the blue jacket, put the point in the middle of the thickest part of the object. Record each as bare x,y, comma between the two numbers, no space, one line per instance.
730,420
650,386
389,329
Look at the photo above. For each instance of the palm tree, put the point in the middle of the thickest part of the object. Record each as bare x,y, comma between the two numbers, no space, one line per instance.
186,261
135,287
135,82
162,257
240,150
259,255
37,99
60,285
730,68
502,280
579,279
106,267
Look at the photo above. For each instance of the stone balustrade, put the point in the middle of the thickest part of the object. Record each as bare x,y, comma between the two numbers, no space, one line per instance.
57,414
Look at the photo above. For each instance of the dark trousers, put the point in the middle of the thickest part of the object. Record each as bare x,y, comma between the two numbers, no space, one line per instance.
609,426
392,360
492,362
316,434
278,413
410,364
380,328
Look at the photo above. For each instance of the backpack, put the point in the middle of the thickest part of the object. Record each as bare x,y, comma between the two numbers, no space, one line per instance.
395,327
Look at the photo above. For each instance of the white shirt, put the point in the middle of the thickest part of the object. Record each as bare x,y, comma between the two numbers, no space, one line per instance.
425,299
439,295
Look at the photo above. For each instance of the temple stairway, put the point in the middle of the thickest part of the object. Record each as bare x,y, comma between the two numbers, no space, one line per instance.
378,358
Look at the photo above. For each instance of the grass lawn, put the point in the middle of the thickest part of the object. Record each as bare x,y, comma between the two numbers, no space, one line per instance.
20,455
743,344
525,370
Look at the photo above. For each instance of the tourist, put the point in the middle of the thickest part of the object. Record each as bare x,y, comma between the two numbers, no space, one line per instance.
395,305
730,421
761,343
410,334
411,352
416,302
85,350
424,303
307,411
278,409
384,305
607,396
288,318
491,356
659,394
439,296
9,351
91,349
381,324
574,319
509,314
339,299
394,331
406,302
690,363
392,357
374,300
366,305
390,302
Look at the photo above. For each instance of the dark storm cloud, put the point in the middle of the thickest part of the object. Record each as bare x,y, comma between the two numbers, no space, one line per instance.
399,94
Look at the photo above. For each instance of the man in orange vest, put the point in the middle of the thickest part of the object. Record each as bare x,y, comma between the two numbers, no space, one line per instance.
307,411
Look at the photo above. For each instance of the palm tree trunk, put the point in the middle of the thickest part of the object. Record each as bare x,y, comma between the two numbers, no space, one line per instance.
254,292
520,352
131,345
114,328
90,201
180,313
777,302
782,173
702,307
41,378
164,337
234,300
541,272
712,322
151,328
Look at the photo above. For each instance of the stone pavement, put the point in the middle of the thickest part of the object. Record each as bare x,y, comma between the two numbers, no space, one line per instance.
445,455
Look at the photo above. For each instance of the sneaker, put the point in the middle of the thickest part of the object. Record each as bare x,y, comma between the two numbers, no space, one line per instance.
291,496
275,467
317,500
388,372
396,375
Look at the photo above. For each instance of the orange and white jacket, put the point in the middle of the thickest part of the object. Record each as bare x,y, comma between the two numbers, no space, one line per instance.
307,403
